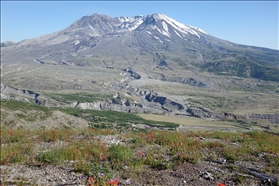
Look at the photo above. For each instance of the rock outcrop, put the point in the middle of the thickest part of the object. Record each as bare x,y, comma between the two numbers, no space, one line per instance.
132,73
189,81
149,102
202,113
17,94
272,118
131,107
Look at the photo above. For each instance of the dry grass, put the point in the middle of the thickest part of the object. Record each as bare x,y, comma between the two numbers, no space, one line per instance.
155,150
192,123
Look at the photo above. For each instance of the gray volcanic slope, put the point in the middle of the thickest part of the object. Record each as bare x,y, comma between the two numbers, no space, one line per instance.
154,40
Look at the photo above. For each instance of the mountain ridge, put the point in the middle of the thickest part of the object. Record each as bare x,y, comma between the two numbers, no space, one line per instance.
149,38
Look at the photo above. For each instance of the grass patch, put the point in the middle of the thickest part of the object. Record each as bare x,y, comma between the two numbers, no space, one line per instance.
20,105
156,150
120,118
28,111
79,97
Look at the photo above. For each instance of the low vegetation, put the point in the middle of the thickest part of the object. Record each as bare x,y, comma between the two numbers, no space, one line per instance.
136,151
242,67
155,150
82,97
96,117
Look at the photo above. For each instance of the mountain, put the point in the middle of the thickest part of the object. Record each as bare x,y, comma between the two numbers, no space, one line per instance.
7,43
126,42
151,64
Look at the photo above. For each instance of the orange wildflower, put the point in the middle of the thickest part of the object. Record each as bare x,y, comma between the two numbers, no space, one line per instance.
90,181
11,132
113,182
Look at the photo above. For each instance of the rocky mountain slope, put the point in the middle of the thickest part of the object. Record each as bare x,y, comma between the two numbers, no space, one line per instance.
154,40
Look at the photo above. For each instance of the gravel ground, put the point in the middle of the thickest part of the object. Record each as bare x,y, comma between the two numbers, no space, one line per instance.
201,174
204,173
39,175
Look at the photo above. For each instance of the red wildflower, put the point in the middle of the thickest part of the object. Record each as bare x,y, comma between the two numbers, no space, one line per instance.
11,132
113,182
90,181
220,184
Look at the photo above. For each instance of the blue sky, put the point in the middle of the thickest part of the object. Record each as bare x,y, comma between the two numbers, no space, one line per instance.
251,23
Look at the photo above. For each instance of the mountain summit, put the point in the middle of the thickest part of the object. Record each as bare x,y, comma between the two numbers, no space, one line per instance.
155,40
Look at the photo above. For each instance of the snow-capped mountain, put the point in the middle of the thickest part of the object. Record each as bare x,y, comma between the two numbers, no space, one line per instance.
153,40
99,25
163,24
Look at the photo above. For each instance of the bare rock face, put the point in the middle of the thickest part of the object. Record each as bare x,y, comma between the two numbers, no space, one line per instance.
132,73
273,118
202,113
164,102
188,81
103,105
13,93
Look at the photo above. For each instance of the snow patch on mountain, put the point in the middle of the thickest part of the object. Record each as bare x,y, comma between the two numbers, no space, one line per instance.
91,27
198,29
159,40
99,25
149,32
77,42
178,26
130,23
177,33
165,26
163,32
131,19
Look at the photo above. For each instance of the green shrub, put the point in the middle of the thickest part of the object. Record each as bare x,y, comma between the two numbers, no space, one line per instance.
49,157
120,153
